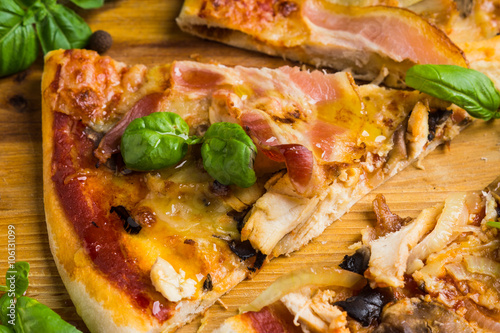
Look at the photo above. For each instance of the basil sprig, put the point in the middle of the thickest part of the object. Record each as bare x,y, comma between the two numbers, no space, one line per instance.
161,140
469,89
21,314
22,22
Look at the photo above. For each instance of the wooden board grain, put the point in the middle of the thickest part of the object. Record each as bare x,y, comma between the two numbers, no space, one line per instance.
145,32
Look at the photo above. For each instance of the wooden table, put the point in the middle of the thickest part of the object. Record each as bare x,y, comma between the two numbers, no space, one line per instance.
145,32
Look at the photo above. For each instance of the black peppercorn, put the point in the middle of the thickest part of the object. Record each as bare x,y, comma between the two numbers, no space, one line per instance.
100,41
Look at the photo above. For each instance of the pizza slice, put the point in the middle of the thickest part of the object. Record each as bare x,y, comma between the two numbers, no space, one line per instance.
436,273
148,251
339,35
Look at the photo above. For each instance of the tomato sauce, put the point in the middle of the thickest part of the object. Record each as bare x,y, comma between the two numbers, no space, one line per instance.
99,231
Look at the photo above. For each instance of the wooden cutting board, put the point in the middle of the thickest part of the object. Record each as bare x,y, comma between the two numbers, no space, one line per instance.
145,32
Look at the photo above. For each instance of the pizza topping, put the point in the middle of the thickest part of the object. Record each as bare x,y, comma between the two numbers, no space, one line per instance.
436,118
390,253
73,151
320,277
298,159
414,315
243,250
467,88
387,221
129,224
483,265
172,285
453,216
110,143
366,306
228,154
207,284
156,141
475,315
383,30
358,262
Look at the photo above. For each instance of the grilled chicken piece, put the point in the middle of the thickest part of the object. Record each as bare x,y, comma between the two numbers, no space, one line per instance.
389,254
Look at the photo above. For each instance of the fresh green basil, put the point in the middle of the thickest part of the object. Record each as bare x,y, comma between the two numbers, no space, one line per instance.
8,309
228,154
467,88
18,45
22,21
88,4
19,274
156,141
26,3
62,28
32,316
5,329
16,284
21,314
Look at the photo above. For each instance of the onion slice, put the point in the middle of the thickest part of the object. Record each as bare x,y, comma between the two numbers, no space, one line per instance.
321,277
482,320
483,265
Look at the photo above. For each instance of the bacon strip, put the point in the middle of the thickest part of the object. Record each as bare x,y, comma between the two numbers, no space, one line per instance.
110,143
272,318
298,159
392,32
325,34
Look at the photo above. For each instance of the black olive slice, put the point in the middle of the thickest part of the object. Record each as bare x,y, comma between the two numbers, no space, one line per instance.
365,306
358,262
129,224
243,250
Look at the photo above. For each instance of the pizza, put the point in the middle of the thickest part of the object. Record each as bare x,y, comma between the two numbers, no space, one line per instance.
438,272
147,251
362,39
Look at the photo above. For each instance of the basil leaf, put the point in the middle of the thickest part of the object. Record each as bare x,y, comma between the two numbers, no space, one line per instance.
7,309
87,4
155,141
62,28
26,3
18,275
228,154
32,316
5,329
467,88
18,45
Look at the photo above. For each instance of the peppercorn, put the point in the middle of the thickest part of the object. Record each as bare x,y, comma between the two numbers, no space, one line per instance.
100,41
